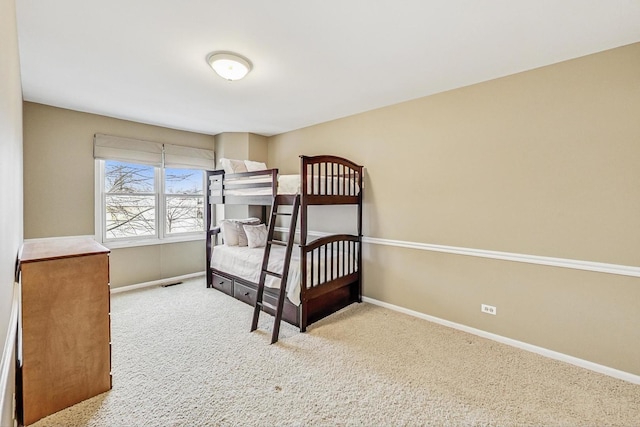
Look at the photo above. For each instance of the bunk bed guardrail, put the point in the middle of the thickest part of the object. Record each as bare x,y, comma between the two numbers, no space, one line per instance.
257,187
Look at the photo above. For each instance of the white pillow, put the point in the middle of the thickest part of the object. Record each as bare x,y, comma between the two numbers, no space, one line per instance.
255,166
229,232
242,236
233,166
256,235
232,232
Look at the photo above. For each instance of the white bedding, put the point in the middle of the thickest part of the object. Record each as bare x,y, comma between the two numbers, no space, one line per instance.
245,262
288,184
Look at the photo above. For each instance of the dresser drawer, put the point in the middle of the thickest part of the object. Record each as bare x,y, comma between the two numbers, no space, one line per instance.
222,284
244,293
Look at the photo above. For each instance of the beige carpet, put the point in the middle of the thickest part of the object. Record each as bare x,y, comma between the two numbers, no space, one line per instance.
183,356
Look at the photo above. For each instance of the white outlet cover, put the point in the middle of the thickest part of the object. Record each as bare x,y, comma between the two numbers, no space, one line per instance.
489,309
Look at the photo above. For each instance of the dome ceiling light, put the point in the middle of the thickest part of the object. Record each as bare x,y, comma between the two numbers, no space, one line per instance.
228,65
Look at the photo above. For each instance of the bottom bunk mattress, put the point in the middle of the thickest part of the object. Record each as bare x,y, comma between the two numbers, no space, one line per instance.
245,263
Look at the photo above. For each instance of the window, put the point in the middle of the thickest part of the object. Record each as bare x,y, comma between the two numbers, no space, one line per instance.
148,192
142,201
129,200
184,200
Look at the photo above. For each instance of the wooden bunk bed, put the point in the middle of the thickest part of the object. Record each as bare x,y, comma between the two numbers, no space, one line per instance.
329,268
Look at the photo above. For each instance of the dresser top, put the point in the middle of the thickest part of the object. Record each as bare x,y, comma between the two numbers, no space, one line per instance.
63,247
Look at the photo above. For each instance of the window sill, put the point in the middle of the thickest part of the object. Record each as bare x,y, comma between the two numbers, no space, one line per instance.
118,244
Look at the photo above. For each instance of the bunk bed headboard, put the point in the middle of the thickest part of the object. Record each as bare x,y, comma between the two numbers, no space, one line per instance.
330,180
335,179
255,188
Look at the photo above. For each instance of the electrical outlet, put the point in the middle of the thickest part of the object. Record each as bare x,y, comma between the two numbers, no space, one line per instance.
489,309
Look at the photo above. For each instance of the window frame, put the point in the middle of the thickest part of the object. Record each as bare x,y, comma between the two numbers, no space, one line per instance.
161,236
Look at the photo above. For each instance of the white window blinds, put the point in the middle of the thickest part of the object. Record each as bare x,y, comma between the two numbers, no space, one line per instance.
176,156
107,147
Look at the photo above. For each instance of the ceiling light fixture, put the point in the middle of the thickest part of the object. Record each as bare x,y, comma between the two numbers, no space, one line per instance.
228,65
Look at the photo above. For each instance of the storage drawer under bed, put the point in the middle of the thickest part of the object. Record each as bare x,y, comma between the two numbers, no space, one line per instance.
247,294
222,284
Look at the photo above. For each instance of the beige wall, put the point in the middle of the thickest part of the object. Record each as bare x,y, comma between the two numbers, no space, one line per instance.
545,163
258,148
231,145
11,224
242,146
149,263
59,187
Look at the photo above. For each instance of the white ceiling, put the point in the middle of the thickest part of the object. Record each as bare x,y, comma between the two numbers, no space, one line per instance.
313,60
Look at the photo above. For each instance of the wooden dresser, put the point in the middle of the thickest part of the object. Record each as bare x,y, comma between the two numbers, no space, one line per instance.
65,325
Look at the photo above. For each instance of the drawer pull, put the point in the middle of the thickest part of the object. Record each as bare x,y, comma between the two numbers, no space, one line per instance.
246,294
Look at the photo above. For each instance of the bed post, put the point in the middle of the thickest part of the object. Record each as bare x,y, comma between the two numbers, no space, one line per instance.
360,201
303,243
208,234
303,201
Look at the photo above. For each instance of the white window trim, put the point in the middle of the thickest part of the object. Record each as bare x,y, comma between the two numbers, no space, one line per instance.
163,239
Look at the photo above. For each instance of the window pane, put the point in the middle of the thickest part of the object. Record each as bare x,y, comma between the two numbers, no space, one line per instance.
121,177
184,214
183,181
130,216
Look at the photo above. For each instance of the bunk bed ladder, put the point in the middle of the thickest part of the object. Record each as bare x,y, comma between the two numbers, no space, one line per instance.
279,200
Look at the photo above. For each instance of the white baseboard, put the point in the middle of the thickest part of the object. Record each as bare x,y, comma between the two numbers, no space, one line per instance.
615,373
9,353
160,282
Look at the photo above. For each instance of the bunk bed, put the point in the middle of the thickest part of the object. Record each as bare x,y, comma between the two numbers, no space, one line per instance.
325,273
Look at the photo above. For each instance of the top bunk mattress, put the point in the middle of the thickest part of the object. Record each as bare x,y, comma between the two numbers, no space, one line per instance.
291,184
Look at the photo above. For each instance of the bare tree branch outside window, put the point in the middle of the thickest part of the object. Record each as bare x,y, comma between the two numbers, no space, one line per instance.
184,200
130,200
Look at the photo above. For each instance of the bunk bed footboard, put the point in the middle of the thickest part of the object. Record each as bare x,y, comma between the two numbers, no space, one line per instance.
330,276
